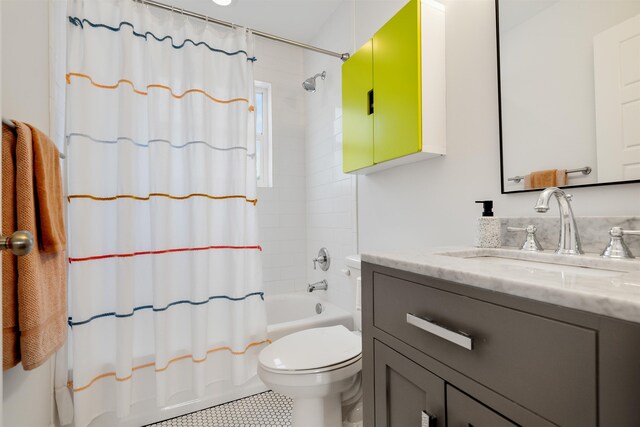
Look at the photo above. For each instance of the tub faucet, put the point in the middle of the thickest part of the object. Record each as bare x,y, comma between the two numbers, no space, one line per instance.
569,240
318,286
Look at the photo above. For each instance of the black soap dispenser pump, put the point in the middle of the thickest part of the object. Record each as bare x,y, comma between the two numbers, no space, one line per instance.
488,227
487,205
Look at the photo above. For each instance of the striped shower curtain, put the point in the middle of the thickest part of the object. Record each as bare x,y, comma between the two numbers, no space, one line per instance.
164,259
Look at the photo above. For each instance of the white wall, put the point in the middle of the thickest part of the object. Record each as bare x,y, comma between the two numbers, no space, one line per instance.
281,209
27,396
431,203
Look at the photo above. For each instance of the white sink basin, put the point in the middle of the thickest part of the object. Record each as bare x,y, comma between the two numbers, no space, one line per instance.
536,265
549,262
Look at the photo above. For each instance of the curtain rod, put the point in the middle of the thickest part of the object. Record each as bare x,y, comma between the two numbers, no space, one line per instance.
342,56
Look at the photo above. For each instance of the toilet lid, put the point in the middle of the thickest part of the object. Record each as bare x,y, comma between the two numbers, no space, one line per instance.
311,349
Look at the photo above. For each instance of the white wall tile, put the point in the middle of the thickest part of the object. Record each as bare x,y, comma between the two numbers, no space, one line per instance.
330,203
282,208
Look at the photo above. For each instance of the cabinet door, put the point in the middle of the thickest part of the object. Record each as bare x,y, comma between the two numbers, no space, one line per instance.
397,85
463,411
357,110
403,390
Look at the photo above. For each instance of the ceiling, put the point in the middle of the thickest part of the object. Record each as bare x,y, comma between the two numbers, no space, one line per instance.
298,20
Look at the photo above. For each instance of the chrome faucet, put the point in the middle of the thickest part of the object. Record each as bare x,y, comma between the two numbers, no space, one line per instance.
323,259
569,240
318,286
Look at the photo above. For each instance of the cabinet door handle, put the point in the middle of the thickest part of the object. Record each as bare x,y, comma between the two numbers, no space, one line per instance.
370,101
429,420
455,337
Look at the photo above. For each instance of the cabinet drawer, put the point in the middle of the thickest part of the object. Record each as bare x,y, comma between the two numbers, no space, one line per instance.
544,365
463,411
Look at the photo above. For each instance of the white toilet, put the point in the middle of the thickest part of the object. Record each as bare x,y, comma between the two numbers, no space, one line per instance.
320,370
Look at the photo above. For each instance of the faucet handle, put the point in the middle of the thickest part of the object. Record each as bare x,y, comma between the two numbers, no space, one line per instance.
531,243
323,259
624,232
617,248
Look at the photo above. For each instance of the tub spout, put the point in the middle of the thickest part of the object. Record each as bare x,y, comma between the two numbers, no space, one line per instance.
318,286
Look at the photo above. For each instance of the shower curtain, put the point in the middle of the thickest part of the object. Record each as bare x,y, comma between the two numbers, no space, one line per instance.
164,259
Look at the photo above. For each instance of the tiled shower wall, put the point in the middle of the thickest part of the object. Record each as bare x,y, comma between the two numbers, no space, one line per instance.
281,208
331,195
312,204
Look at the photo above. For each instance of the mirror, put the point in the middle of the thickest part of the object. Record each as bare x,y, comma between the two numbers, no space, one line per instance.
569,82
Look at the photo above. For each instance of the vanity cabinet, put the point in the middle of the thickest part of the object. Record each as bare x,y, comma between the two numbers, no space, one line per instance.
490,359
464,411
393,92
408,393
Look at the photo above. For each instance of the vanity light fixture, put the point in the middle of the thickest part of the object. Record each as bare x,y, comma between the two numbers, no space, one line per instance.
223,2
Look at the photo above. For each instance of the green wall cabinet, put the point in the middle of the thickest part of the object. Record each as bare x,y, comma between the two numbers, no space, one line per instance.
357,117
393,92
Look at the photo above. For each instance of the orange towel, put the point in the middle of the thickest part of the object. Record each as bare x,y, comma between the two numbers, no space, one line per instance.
561,177
46,164
10,334
35,323
546,178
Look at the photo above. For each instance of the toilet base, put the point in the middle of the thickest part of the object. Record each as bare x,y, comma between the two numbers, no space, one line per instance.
353,418
317,396
317,412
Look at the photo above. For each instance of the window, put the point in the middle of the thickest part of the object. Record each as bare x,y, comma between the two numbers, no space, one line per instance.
263,134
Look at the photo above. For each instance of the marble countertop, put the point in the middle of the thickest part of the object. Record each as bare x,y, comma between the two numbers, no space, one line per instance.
614,293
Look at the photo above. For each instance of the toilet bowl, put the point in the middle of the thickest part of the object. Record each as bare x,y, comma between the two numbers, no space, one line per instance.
320,369
314,367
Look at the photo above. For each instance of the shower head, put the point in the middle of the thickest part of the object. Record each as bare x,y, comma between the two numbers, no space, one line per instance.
310,84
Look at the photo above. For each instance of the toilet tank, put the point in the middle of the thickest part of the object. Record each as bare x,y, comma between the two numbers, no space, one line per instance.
353,270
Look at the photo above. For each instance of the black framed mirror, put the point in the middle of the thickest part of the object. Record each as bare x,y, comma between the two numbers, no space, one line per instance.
569,92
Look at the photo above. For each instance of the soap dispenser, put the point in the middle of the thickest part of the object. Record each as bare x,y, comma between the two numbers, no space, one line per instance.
488,227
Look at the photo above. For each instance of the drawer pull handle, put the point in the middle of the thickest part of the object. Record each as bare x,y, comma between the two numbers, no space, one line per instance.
429,420
459,338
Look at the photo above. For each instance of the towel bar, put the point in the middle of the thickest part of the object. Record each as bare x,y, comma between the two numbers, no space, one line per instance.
585,171
19,243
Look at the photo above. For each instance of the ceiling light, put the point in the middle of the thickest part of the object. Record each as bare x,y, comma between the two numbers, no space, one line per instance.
223,2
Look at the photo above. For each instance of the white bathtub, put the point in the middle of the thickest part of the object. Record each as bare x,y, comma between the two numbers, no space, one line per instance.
286,313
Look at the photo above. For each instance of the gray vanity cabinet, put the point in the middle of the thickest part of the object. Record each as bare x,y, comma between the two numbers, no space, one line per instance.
408,393
501,360
464,411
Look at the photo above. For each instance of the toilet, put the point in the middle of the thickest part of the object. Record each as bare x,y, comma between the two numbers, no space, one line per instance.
320,369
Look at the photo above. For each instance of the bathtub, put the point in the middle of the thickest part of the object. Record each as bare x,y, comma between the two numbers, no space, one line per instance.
286,313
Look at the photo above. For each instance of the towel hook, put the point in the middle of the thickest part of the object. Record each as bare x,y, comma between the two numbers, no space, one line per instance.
19,243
